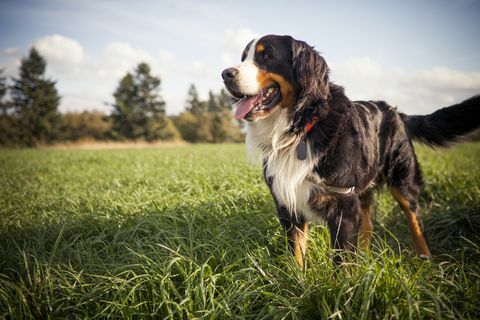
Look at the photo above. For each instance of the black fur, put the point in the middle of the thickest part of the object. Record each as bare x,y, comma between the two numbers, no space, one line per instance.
356,143
444,125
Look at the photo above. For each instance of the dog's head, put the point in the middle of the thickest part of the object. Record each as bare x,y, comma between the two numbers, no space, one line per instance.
276,72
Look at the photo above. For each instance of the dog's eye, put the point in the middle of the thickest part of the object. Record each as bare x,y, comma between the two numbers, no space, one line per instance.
265,56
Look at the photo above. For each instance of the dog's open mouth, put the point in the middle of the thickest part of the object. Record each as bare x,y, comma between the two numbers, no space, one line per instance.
265,100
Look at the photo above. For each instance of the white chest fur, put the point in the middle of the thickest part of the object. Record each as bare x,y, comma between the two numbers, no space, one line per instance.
290,185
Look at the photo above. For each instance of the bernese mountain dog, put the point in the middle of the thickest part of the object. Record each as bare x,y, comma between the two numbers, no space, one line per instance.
324,154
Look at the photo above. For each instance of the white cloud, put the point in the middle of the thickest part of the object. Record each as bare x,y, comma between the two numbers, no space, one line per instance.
198,69
62,53
414,92
9,66
444,78
166,55
87,82
234,43
66,57
118,58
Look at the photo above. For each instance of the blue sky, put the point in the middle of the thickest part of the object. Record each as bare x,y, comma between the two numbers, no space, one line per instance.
417,55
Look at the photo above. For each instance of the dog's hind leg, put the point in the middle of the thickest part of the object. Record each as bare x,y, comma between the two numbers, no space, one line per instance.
366,226
410,208
404,179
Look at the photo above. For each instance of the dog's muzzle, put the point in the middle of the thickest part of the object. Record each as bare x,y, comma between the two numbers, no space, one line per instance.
230,79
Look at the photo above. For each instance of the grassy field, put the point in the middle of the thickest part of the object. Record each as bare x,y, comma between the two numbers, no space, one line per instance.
191,232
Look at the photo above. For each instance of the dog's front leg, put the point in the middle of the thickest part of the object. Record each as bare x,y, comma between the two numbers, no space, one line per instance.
294,225
344,224
297,230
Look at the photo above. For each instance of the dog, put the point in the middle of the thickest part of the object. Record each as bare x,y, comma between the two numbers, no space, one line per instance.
323,154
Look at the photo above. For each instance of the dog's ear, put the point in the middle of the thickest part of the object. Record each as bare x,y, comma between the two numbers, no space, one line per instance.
310,71
311,74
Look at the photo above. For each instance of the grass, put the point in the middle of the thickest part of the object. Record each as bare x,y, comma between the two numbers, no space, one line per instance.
191,232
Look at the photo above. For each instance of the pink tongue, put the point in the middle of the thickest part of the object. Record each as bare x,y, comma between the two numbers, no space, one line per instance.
244,107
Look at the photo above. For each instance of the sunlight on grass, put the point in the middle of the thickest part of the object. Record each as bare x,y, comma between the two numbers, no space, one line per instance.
191,232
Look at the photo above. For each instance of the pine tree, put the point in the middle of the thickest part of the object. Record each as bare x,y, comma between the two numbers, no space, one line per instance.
6,123
208,121
224,127
193,103
35,102
215,118
224,100
3,92
225,103
213,105
122,114
139,110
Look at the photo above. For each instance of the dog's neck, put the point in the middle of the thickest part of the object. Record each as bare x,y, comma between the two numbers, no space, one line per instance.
318,108
269,135
285,128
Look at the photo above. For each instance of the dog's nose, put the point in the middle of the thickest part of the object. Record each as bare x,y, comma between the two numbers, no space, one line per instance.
229,74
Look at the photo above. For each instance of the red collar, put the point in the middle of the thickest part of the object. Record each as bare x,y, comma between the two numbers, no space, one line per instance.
310,124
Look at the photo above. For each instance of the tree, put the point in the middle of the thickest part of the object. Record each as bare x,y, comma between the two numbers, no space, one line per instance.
208,121
3,92
161,129
224,100
187,124
223,125
217,134
7,128
139,110
35,102
123,109
230,129
193,103
86,125
213,105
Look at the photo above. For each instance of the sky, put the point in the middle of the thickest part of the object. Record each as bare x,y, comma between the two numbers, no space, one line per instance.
417,55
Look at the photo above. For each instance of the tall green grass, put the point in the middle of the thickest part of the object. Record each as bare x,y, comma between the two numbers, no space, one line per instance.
191,232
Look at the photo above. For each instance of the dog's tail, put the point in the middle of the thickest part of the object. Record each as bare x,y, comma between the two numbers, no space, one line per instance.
446,125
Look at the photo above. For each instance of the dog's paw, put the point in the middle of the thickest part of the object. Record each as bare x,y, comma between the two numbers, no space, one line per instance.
424,257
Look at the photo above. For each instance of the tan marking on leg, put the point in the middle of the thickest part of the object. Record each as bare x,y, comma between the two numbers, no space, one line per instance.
299,239
366,229
421,247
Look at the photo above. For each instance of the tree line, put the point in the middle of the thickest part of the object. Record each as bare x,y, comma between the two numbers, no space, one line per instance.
29,114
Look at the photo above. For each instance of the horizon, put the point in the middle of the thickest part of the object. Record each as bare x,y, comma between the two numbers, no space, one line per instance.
417,56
